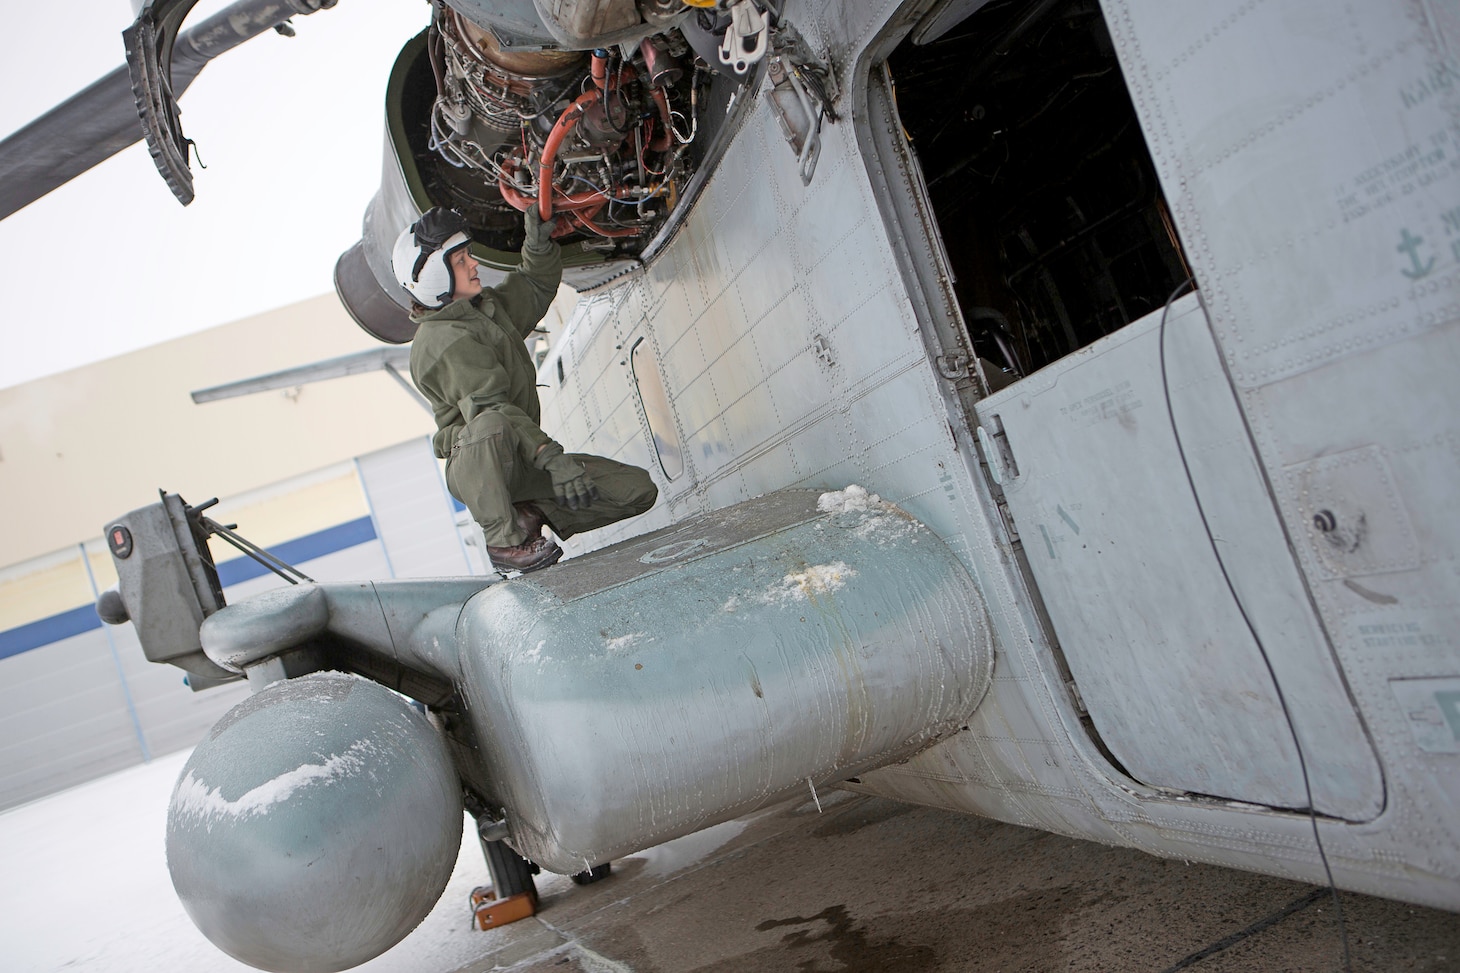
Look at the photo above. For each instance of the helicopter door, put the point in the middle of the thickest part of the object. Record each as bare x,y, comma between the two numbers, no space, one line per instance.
1171,591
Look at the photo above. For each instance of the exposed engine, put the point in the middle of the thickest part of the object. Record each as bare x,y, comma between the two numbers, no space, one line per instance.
599,139
608,115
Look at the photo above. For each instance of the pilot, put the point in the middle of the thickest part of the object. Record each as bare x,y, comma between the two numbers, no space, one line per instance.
470,360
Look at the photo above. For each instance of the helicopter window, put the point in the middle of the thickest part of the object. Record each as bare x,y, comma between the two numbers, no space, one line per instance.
1044,191
656,409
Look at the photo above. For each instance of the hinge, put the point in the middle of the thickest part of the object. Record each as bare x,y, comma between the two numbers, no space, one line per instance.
953,367
998,454
1007,518
1079,700
803,88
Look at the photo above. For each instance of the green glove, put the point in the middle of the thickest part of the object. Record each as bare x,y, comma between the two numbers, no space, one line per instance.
571,483
539,233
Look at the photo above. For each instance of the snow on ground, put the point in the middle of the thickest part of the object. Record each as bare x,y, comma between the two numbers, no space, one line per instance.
86,889
681,853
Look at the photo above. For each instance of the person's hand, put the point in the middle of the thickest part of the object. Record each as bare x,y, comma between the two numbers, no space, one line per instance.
539,231
572,485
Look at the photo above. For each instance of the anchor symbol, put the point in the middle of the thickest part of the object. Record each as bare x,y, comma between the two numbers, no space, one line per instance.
1409,244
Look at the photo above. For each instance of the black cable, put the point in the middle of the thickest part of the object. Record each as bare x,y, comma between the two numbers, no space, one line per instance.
1296,905
1182,288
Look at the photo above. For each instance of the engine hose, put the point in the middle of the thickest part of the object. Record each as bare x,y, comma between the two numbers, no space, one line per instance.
599,70
554,197
436,47
569,202
586,221
436,54
567,121
665,138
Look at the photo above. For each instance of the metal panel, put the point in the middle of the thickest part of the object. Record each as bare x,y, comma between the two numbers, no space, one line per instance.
687,676
1319,183
1162,653
412,511
1433,708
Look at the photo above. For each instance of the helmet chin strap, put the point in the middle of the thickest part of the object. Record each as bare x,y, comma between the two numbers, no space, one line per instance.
421,258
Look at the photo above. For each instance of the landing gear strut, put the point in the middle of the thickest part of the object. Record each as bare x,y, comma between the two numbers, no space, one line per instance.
512,895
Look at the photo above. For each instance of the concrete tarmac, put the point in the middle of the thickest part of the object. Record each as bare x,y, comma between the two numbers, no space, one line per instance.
868,885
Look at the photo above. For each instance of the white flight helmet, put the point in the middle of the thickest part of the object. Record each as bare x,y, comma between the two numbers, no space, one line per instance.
420,258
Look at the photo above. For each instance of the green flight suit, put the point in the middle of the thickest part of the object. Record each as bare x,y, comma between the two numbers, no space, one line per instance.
471,362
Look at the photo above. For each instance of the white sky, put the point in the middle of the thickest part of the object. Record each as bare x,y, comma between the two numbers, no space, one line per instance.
292,131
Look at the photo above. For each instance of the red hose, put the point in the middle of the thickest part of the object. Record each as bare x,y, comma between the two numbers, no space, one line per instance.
567,121
569,202
599,71
586,221
554,197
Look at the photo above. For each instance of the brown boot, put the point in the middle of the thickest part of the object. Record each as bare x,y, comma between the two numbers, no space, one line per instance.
529,519
530,555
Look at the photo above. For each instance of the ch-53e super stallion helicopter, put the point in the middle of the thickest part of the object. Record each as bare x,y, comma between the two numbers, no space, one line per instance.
1143,319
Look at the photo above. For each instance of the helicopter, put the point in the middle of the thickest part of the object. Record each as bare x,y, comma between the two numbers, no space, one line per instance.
1142,322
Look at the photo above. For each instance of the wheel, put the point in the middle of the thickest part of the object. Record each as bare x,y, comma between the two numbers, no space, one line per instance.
595,874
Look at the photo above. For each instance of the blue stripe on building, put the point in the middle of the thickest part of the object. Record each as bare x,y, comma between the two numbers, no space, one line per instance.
299,550
53,629
35,634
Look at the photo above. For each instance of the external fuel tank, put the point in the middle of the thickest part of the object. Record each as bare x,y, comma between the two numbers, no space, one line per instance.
684,678
670,682
593,709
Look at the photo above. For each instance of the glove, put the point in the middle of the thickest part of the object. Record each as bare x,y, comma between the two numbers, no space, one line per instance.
539,232
572,485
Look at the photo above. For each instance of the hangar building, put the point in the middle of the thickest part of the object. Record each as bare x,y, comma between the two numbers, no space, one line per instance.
335,477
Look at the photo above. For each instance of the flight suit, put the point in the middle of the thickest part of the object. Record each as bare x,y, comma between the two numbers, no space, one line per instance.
471,362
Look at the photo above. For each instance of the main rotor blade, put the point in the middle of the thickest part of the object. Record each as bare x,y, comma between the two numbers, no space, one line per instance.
101,120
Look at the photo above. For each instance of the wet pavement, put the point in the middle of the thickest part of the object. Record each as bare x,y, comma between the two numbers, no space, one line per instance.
870,885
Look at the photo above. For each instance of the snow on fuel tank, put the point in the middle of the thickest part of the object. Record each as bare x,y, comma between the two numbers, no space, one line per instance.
594,709
315,826
683,679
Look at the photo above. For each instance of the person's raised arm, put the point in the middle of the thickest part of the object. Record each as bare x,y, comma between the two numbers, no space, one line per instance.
528,291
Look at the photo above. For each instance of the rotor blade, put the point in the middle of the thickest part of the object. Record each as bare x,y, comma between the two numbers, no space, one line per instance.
101,120
390,360
78,134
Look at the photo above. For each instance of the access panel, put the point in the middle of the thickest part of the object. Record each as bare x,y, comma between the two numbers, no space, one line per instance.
1158,643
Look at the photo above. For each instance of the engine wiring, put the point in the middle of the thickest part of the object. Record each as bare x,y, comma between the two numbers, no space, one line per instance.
600,136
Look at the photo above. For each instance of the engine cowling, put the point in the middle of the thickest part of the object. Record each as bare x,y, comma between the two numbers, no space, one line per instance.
607,130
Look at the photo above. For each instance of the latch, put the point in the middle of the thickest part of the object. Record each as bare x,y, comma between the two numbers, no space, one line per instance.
953,367
803,88
822,347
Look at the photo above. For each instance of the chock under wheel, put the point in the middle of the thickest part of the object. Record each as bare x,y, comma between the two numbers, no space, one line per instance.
489,912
